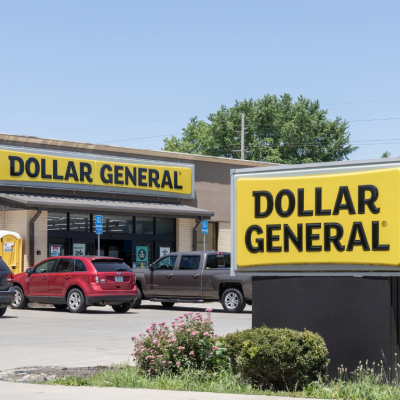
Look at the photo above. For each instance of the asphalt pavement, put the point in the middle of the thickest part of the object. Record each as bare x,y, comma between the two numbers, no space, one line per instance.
49,337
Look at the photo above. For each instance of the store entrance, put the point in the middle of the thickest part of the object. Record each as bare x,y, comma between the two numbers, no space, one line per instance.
116,248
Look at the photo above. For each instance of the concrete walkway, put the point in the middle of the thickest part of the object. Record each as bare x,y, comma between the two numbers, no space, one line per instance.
24,391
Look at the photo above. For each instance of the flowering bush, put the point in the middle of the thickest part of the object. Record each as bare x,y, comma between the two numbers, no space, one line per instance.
189,343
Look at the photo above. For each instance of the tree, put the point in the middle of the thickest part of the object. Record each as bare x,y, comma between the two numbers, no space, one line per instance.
386,154
280,130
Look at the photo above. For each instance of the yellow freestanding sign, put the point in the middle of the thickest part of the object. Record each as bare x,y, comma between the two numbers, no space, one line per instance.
336,218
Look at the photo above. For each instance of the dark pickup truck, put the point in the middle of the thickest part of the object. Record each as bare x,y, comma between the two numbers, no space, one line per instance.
193,277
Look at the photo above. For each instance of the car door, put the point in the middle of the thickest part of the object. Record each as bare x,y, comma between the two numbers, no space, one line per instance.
60,277
162,278
38,280
187,279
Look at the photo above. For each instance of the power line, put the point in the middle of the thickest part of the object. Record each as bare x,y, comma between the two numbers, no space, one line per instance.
358,102
293,123
106,126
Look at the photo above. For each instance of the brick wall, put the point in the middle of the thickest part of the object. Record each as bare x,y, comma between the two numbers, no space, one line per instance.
40,236
224,236
184,234
18,221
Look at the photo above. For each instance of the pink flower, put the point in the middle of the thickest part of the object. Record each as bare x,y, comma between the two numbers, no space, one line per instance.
195,333
215,348
181,348
191,353
149,370
206,334
209,310
155,341
164,362
133,337
178,364
176,319
169,362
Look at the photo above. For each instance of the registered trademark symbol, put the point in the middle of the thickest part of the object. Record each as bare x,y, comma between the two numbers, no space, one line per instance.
384,223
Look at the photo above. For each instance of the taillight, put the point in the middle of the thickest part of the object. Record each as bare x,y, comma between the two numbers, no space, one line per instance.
94,280
9,277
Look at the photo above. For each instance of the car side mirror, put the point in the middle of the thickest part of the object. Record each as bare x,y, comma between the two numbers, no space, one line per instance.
28,271
151,267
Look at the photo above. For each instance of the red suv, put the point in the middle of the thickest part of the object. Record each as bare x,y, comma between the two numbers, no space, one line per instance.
76,283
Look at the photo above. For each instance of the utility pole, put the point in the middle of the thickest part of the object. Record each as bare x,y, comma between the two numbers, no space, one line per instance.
242,132
242,143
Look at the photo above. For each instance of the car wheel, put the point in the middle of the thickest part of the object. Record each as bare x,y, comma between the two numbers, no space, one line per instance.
138,301
20,301
167,304
3,311
60,306
76,301
232,300
122,308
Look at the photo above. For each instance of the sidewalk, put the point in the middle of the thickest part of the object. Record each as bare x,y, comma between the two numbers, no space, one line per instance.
23,391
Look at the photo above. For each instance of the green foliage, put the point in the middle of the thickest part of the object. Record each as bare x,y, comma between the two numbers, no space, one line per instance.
386,154
367,386
190,343
125,376
280,130
281,358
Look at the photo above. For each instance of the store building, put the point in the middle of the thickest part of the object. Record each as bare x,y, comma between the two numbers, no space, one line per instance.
151,201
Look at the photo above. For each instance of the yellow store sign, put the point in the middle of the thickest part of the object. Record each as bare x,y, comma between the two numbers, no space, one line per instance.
335,219
75,171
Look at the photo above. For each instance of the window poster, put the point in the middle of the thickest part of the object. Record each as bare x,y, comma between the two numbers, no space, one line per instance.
55,251
142,256
79,249
164,251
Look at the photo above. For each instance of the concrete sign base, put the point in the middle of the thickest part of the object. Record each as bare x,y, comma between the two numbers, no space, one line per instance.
357,317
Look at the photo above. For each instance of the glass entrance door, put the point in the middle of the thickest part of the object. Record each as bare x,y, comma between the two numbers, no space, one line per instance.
116,248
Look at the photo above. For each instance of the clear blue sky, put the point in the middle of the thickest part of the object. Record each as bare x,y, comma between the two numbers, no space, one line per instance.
67,65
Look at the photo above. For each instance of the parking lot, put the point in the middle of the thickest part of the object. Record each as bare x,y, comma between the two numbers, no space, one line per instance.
48,337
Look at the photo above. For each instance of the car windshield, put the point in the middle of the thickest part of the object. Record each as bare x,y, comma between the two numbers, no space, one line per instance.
110,265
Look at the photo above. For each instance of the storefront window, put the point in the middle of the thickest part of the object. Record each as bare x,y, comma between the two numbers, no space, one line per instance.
79,222
165,226
116,223
144,226
210,237
57,221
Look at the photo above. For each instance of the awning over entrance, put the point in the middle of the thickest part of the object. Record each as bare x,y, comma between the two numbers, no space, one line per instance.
102,205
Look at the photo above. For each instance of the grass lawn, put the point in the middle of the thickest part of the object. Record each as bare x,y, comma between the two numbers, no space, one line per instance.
369,387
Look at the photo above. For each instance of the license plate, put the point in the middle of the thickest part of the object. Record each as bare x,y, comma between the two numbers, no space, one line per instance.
119,279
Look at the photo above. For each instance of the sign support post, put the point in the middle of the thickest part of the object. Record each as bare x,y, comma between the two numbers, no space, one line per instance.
204,230
99,231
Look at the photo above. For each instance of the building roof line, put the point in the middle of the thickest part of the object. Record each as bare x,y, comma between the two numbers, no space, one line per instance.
29,141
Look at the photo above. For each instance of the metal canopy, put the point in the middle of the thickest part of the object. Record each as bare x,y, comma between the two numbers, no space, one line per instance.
103,205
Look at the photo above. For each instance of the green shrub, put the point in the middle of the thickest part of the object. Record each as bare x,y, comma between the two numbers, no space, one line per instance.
281,358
